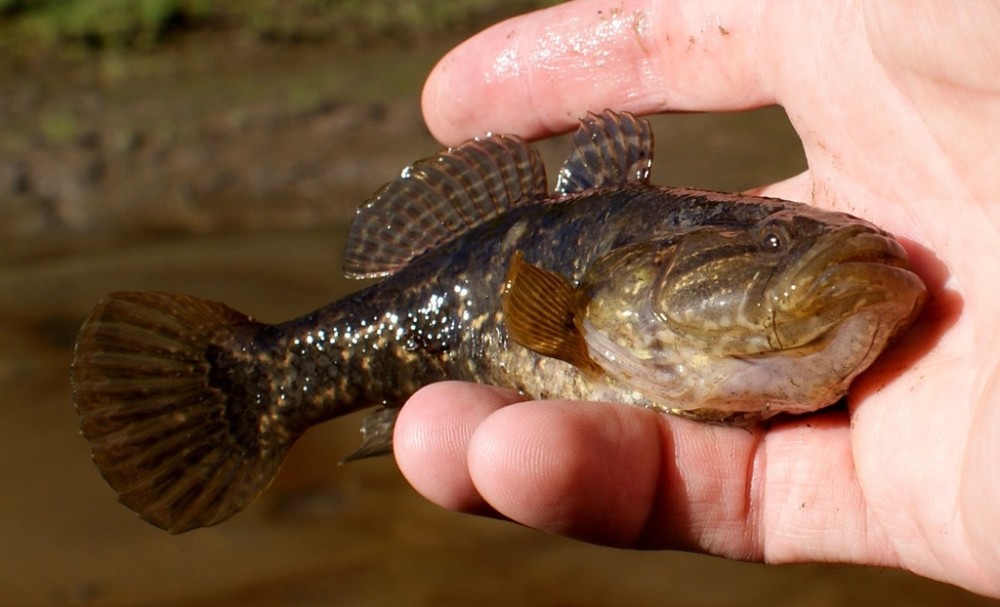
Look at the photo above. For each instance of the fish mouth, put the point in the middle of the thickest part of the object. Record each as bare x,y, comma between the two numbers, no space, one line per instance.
858,269
861,245
852,259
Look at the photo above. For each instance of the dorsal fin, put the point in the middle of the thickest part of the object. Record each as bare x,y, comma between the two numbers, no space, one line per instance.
539,311
439,198
610,149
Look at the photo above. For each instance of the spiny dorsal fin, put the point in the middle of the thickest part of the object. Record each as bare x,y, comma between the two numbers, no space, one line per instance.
539,310
439,198
611,149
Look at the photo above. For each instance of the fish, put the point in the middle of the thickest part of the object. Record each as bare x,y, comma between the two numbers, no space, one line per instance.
720,307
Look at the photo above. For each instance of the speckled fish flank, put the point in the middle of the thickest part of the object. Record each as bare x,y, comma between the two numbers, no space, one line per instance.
719,307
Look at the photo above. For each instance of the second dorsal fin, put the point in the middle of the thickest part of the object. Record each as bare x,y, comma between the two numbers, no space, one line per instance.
439,198
611,149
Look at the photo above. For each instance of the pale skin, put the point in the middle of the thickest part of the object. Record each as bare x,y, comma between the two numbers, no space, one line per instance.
898,108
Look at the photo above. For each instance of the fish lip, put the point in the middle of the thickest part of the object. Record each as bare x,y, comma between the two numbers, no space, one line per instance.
856,271
849,246
840,268
875,248
866,246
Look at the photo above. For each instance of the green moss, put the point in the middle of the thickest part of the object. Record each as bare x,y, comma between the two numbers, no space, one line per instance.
123,24
59,127
103,23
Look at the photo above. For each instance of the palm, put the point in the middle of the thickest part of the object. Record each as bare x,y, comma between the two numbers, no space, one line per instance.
908,477
921,448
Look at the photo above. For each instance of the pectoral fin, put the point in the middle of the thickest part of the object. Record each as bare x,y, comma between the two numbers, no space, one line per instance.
539,311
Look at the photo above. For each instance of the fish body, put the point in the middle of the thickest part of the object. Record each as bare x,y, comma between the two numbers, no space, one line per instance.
716,306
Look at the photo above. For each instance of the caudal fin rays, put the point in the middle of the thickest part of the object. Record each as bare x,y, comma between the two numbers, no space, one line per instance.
161,434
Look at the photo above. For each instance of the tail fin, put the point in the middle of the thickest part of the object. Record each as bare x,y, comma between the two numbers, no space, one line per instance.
181,449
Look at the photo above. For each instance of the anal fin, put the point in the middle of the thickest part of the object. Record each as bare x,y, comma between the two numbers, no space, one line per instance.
376,434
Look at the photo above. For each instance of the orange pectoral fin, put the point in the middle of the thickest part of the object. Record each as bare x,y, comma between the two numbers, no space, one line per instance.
539,310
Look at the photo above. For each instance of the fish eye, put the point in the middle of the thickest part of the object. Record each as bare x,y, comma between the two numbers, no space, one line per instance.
771,242
773,237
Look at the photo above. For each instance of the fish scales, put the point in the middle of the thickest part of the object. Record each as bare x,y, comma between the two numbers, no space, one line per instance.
442,319
720,307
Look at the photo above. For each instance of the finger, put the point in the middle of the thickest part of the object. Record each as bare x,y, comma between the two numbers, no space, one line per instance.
629,477
536,74
797,187
618,475
584,470
623,476
431,440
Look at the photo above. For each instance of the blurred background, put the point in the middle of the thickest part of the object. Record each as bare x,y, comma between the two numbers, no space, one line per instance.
219,148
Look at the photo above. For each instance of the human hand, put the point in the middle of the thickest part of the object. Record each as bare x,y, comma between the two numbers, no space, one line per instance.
898,108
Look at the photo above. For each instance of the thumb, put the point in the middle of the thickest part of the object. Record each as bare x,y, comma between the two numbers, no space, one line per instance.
537,73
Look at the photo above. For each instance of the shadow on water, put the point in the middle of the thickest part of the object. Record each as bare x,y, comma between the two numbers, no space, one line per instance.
324,534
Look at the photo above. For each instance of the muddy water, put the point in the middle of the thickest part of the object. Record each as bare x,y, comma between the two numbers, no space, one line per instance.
323,534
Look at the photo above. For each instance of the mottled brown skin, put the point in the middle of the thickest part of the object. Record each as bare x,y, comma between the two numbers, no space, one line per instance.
441,317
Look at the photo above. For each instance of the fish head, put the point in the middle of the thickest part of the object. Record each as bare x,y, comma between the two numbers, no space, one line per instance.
783,284
846,269
780,315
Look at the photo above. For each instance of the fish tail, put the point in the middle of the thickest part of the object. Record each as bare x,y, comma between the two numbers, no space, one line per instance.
183,443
